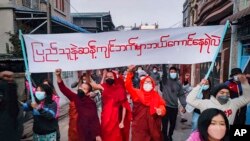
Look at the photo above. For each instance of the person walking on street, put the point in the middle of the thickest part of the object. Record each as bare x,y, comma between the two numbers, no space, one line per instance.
44,113
88,125
148,109
115,116
171,91
220,98
236,90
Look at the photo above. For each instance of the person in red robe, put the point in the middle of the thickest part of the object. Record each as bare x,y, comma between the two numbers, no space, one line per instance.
116,112
148,109
88,124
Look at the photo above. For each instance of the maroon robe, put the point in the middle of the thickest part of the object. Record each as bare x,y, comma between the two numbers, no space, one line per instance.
88,124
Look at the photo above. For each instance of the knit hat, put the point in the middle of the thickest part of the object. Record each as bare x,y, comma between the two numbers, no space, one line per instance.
235,71
217,88
142,73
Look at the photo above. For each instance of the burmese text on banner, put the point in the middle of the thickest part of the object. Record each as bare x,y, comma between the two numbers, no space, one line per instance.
85,51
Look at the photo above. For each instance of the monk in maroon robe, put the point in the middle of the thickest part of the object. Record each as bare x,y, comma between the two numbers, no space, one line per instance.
88,124
148,109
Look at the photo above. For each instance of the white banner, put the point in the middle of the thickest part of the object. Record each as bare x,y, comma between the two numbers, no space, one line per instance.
84,51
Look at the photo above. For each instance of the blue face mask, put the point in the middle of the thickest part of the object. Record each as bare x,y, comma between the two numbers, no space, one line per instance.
173,75
40,95
205,87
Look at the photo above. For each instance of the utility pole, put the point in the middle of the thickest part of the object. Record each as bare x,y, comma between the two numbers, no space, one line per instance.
234,42
49,75
48,17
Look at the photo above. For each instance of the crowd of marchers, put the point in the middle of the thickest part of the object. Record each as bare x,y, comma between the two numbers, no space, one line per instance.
133,103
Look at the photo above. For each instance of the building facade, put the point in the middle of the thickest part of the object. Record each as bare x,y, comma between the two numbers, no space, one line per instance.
205,13
31,16
94,22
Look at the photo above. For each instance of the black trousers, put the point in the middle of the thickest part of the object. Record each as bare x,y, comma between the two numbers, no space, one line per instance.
169,119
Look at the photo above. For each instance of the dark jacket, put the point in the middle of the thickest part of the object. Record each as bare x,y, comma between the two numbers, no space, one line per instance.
172,91
8,111
45,121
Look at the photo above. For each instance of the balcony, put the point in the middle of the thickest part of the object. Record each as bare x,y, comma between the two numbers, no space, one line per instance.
212,11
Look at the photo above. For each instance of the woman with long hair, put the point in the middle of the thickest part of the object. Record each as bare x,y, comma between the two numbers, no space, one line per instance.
44,110
213,125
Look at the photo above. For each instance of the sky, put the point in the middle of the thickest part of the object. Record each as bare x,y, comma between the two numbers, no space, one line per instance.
167,13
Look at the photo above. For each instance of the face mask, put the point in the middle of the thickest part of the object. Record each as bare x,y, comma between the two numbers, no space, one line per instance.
80,93
154,71
223,99
173,75
139,70
110,81
185,82
205,87
216,131
84,81
40,95
147,87
235,78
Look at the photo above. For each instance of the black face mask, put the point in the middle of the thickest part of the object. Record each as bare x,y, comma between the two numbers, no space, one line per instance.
110,81
80,93
185,82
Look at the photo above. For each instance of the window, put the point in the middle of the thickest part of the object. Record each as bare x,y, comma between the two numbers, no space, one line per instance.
246,50
33,4
60,5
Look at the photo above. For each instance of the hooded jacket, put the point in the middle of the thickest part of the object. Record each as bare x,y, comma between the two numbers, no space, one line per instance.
230,108
151,98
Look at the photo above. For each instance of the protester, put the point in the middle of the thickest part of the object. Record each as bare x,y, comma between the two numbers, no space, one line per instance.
115,116
44,113
56,98
138,75
156,77
186,89
220,98
205,94
88,125
213,125
81,80
171,91
9,109
148,109
236,90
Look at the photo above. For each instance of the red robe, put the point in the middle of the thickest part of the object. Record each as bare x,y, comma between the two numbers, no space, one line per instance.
72,131
146,124
88,124
114,98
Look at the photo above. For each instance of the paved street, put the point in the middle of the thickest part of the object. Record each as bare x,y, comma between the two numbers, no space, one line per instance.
181,132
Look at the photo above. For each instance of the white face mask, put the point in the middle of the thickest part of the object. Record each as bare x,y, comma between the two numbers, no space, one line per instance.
147,87
40,95
235,78
139,70
154,71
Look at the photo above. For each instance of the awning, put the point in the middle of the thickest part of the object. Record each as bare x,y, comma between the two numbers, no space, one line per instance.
237,15
36,14
68,24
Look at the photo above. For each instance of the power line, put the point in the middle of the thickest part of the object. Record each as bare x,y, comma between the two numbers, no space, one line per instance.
72,7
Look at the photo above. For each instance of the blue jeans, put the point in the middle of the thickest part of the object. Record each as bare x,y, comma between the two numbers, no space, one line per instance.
248,115
195,121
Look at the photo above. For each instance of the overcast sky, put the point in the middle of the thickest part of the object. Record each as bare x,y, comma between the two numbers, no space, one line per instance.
167,13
